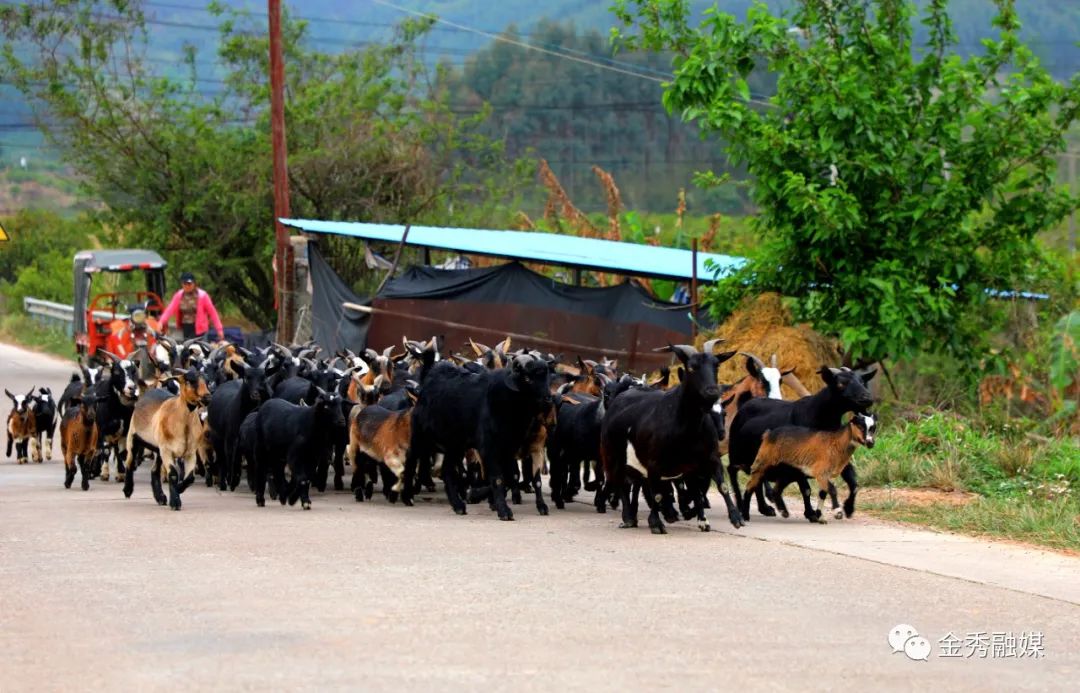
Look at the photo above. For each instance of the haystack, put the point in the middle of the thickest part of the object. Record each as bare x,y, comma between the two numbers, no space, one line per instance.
763,326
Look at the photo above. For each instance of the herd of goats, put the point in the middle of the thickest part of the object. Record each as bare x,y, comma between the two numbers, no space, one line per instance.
484,425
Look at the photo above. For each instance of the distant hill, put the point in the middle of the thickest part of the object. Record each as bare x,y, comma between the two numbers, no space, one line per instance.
541,102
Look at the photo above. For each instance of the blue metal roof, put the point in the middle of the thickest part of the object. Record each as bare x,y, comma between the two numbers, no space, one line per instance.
533,246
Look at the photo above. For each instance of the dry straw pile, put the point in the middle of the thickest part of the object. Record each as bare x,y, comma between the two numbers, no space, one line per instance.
763,326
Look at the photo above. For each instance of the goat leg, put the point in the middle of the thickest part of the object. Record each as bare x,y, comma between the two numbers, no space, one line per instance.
69,470
84,468
808,509
339,467
630,490
536,484
494,469
654,498
848,475
451,478
155,483
732,508
744,504
557,480
174,485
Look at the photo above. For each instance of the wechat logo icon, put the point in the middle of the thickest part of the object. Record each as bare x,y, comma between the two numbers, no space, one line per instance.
904,638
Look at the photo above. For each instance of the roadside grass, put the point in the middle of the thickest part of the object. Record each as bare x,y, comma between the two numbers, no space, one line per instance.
22,330
1025,483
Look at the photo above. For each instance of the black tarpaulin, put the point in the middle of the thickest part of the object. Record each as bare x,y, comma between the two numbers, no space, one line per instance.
513,286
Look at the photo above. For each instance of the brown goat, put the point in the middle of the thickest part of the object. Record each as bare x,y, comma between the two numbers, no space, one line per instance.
22,428
79,439
383,435
172,425
819,454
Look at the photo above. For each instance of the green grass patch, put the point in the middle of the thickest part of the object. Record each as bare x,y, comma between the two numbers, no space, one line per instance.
1052,523
22,330
1026,484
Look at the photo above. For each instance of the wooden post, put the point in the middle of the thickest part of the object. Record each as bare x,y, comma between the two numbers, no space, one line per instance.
397,258
693,289
283,289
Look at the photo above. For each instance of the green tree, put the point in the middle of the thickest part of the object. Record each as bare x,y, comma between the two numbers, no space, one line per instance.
896,182
188,172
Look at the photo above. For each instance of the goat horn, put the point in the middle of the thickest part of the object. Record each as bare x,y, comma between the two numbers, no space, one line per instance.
710,346
773,361
505,344
684,351
479,349
757,362
111,355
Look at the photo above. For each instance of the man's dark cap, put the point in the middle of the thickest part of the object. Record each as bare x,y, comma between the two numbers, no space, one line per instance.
187,277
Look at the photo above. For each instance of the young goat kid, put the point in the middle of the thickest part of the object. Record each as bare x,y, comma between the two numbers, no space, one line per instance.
821,455
79,438
22,427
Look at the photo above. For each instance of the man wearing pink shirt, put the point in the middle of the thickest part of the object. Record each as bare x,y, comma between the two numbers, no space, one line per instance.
193,310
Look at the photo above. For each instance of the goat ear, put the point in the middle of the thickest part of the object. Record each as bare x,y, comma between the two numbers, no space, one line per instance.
868,375
752,367
828,375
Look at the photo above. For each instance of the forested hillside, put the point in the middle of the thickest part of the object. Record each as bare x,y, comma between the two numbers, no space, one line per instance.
574,103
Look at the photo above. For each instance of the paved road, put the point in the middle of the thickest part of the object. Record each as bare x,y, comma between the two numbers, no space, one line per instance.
103,593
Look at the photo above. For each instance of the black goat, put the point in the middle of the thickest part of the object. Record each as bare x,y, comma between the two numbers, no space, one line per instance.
297,436
845,391
575,442
45,415
650,436
115,395
230,403
490,412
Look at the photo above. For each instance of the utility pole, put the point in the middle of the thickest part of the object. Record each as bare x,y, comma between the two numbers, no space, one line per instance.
283,278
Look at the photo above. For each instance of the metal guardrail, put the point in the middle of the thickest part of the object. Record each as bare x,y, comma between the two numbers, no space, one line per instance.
59,314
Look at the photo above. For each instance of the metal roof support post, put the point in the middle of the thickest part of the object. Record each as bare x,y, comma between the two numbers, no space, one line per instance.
693,289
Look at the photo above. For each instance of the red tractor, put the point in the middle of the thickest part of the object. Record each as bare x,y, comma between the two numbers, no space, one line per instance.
122,320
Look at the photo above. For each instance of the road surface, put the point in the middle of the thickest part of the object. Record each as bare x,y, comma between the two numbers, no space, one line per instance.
103,593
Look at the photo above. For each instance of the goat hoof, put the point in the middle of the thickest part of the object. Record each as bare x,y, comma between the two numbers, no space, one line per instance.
260,502
849,508
339,485
508,517
358,494
460,511
67,484
628,525
767,511
560,504
85,484
839,514
785,514
543,510
407,501
704,526
658,529
306,505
